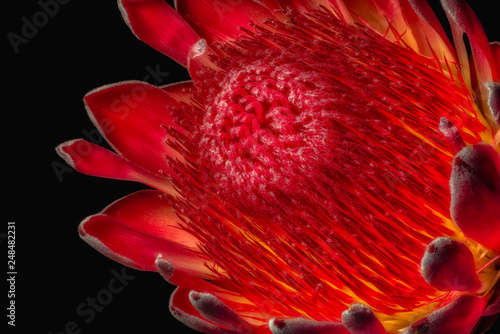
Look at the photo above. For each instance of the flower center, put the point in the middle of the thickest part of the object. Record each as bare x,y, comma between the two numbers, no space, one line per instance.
269,130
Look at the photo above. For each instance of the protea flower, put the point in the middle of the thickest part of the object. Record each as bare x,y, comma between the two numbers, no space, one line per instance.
332,166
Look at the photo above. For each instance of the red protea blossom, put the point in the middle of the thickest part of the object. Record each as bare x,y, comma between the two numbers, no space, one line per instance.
332,167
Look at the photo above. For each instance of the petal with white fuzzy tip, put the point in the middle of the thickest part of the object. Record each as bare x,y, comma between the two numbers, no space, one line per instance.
182,309
450,132
463,20
132,116
448,265
214,310
160,26
494,100
475,194
94,160
437,36
305,326
138,227
359,319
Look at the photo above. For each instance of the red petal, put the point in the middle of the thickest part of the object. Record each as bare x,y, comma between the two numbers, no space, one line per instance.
220,20
463,19
182,309
180,91
132,116
412,22
495,51
475,194
427,30
459,317
492,309
369,12
426,13
383,16
159,25
91,159
147,211
136,229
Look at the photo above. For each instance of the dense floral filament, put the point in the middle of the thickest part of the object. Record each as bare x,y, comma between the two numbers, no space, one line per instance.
348,220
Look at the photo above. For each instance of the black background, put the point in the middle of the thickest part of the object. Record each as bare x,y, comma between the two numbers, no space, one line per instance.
85,45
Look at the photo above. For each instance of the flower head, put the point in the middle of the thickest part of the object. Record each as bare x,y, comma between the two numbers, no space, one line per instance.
332,166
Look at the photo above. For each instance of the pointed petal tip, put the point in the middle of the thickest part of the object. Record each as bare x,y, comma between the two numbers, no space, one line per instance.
91,159
159,25
136,228
98,245
94,160
130,115
62,151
